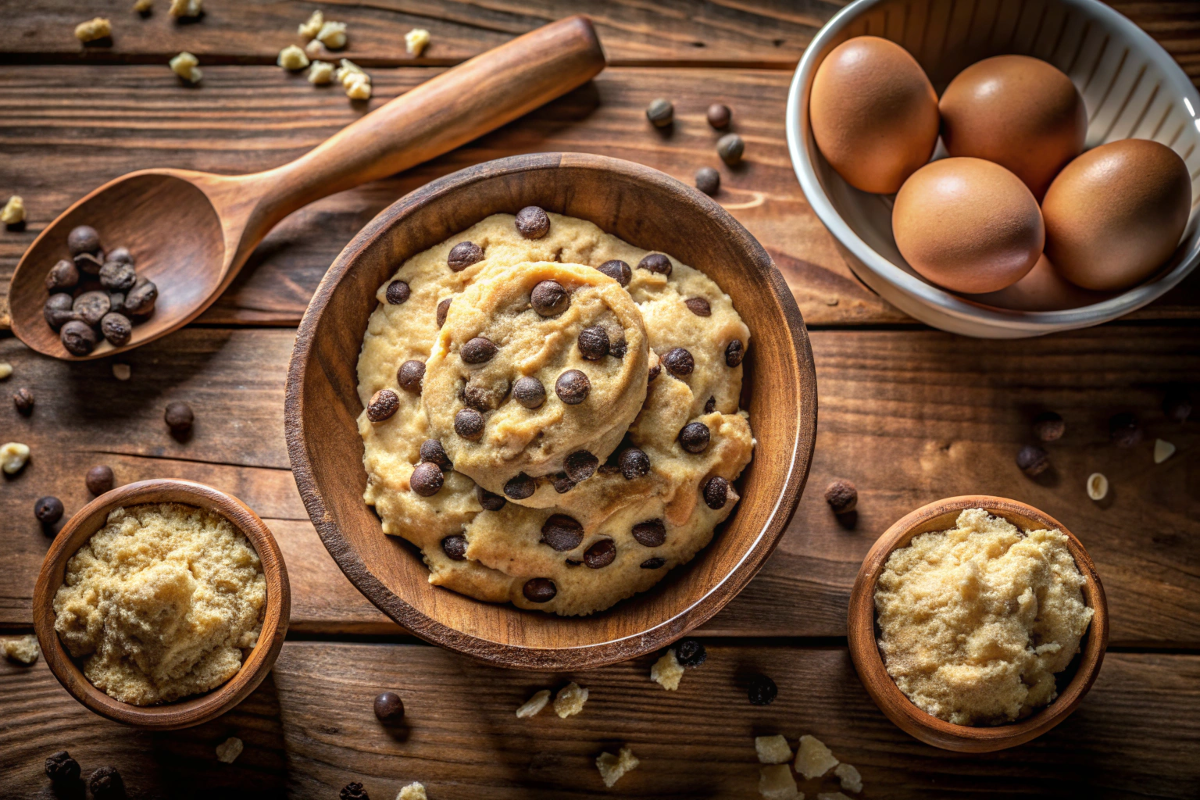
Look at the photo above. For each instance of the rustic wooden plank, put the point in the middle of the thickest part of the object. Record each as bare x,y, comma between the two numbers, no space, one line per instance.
309,729
909,416
68,129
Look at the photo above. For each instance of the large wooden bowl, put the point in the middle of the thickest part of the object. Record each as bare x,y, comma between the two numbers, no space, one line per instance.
191,710
940,516
645,208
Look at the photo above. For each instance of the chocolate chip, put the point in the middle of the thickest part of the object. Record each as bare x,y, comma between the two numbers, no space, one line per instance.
1177,404
679,362
634,463
734,353
1048,426
842,496
549,298
618,348
651,533
489,500
562,484
179,417
433,452
572,387
520,486
88,264
389,708
61,768
117,276
762,690
117,301
468,423
730,148
716,491
698,306
63,275
139,301
708,180
83,239
398,292
532,222
539,590
529,392
383,405
78,337
23,401
455,546
121,254
353,791
654,372
1124,431
562,533
580,465
719,115
653,563
656,262
48,510
479,350
463,255
99,479
694,437
442,308
618,270
690,653
593,343
59,310
426,479
660,112
92,306
410,375
117,328
1033,460
106,784
601,554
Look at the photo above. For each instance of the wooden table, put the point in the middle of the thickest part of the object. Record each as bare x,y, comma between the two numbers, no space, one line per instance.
910,414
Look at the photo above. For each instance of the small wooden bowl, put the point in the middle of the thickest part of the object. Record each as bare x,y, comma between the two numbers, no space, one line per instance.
643,207
192,710
940,516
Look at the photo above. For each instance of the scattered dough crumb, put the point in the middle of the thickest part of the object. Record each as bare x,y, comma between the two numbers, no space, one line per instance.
666,672
314,49
356,82
122,372
22,649
416,40
186,8
13,456
831,796
292,58
332,35
5,370
13,211
93,30
534,705
1162,450
612,768
570,700
414,791
777,783
772,749
850,778
229,750
814,759
320,73
310,29
1097,486
359,90
143,6
185,66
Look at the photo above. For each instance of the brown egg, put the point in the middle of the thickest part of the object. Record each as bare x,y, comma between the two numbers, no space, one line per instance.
1043,289
874,113
1020,112
968,225
1115,214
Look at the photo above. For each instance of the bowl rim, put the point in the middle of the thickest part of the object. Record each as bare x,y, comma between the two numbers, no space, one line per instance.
579,656
926,294
868,661
196,709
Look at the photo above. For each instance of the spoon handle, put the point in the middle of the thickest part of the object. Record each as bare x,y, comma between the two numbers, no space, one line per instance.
449,110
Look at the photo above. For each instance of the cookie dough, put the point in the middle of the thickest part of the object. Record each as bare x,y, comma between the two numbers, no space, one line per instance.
551,542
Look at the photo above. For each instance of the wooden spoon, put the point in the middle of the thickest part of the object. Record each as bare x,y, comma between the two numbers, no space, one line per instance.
190,232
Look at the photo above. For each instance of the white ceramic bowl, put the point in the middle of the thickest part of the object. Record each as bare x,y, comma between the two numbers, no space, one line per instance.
1132,89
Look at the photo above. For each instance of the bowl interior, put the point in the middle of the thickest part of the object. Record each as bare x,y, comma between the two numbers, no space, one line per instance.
648,209
1073,683
191,710
1130,85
